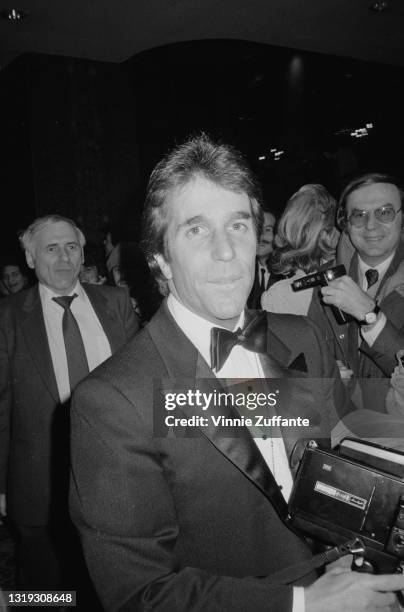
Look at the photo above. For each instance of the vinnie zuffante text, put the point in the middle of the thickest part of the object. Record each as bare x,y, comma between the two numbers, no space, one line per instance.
205,401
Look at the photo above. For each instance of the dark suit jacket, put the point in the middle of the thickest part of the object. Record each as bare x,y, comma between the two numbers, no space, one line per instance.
254,299
374,365
185,522
31,417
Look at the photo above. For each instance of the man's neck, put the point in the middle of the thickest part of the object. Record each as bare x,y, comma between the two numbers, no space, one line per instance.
230,324
370,262
195,327
263,261
45,290
375,262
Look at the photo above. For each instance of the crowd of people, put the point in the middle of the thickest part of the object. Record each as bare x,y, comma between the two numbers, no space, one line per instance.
193,515
313,236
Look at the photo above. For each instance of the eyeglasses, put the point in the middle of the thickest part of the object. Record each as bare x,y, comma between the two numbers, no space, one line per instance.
384,214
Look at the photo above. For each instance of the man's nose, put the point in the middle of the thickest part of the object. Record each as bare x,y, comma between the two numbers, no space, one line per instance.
65,255
371,221
222,246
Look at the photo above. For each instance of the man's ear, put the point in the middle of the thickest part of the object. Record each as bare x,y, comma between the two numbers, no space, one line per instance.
164,266
30,260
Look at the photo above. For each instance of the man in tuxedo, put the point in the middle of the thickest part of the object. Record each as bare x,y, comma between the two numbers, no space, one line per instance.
45,348
181,517
262,278
370,213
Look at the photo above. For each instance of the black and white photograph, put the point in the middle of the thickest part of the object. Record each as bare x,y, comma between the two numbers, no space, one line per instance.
202,306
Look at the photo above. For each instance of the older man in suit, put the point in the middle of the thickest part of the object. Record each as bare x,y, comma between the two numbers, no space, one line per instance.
370,213
184,509
51,336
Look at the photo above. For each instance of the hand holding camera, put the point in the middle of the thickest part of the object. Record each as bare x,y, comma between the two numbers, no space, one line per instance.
341,589
323,279
346,295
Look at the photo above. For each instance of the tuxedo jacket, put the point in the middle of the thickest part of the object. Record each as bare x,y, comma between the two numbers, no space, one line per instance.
374,365
33,424
187,519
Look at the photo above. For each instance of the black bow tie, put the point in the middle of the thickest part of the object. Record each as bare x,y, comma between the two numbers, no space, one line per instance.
253,337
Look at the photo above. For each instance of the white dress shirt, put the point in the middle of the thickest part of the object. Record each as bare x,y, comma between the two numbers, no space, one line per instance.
95,341
241,364
246,365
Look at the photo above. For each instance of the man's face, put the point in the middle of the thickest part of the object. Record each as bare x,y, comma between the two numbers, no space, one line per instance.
56,257
211,245
375,241
13,279
265,243
89,274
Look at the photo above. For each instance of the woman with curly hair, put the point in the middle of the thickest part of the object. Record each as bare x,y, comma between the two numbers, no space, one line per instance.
306,241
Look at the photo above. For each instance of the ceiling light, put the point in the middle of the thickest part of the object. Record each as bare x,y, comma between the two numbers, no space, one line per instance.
13,14
379,6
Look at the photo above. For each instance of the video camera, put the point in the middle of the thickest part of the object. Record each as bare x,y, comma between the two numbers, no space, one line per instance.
357,493
321,279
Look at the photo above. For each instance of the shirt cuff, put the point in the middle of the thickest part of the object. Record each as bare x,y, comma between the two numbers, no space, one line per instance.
370,333
298,600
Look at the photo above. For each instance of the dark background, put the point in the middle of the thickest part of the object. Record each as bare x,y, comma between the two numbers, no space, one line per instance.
79,137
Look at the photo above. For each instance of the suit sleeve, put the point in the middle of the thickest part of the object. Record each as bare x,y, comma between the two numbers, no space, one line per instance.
324,362
122,504
391,338
5,407
129,317
337,400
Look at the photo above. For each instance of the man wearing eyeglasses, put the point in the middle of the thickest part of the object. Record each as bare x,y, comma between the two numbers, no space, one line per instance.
370,213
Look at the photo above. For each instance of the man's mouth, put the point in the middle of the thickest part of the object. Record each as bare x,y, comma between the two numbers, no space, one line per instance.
225,281
374,238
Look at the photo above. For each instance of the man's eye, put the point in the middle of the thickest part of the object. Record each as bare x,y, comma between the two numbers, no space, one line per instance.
196,230
239,226
357,214
73,247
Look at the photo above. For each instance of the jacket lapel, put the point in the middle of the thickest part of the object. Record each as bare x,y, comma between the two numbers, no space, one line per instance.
34,331
184,363
237,444
106,314
295,398
394,276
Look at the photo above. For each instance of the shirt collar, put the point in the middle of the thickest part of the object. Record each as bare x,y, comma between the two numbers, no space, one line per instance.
47,294
196,328
381,267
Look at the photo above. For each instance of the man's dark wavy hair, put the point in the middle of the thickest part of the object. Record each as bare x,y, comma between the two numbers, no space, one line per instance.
201,157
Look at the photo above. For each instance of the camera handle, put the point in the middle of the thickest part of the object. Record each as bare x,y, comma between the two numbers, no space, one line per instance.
294,572
360,564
